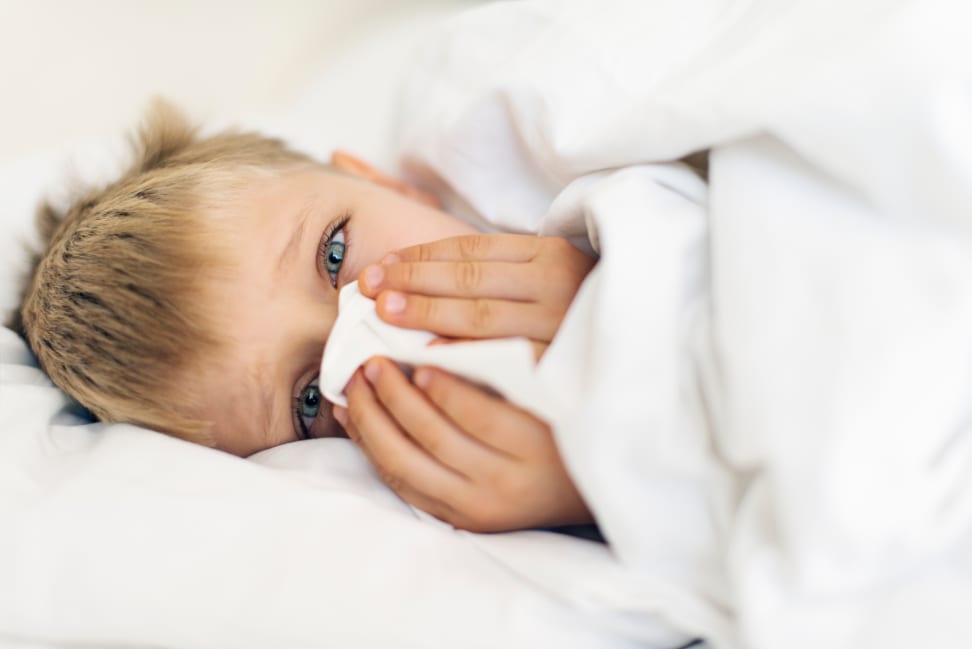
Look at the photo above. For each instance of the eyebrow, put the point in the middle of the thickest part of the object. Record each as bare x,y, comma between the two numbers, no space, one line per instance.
289,252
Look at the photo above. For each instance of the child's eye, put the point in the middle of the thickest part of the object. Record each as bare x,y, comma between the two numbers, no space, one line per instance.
308,407
332,254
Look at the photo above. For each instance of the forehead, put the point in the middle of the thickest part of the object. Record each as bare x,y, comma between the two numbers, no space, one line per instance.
256,216
267,197
261,193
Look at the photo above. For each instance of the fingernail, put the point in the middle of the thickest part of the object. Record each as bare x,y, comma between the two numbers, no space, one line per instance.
394,302
373,276
391,258
422,377
371,371
341,414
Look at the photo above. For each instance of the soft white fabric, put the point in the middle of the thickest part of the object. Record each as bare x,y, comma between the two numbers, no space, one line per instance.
120,536
774,429
771,416
115,536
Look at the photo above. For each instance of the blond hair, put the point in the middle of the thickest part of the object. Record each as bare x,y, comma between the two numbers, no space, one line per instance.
113,306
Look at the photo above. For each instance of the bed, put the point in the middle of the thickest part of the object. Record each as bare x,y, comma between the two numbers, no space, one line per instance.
774,432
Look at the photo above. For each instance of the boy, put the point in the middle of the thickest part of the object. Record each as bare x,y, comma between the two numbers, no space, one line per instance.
194,296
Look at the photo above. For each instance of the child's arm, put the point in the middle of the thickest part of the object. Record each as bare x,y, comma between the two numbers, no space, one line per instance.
498,471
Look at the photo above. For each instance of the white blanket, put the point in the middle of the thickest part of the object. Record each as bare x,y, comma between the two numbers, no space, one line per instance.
771,422
771,419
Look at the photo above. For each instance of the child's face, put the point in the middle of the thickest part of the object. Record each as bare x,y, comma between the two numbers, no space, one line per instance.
295,241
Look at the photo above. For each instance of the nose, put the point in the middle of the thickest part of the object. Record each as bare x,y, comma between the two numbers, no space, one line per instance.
320,318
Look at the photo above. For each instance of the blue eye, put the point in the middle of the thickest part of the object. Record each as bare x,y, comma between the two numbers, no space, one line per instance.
308,407
332,253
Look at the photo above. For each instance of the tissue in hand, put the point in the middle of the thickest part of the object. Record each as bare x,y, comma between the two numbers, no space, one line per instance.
505,365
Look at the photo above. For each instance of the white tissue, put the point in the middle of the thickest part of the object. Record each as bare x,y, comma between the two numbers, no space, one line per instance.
505,365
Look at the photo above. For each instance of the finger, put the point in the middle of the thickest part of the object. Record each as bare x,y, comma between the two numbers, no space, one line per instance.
491,419
435,342
416,415
467,318
434,506
487,279
472,247
403,465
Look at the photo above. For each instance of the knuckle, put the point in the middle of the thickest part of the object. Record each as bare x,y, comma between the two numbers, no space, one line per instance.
408,274
482,315
468,276
473,246
426,311
424,252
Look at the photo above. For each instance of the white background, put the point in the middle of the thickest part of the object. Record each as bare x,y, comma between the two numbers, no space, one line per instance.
86,68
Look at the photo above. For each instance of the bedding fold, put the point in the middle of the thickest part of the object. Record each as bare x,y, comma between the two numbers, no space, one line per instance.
771,414
763,389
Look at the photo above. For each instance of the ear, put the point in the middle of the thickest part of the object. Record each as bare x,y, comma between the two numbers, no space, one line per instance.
349,164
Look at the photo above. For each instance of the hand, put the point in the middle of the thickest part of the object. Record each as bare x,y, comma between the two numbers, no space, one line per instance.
480,286
497,471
